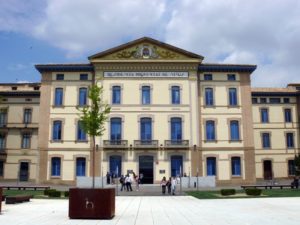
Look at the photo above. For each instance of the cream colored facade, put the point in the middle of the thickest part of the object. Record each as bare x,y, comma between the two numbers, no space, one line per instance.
147,70
19,135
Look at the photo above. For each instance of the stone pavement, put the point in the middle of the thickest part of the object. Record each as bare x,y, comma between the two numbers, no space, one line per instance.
179,210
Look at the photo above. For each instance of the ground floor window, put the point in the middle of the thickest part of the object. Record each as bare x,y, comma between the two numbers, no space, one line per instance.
176,165
292,168
80,167
211,166
236,166
115,165
1,168
55,166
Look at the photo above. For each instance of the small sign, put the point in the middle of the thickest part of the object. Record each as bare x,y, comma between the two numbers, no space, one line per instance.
147,74
162,171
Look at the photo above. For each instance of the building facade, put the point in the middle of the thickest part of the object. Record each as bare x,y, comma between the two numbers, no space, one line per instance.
171,114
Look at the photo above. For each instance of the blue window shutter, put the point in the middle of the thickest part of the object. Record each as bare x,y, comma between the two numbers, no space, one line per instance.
266,140
115,129
58,97
211,166
236,166
146,129
56,130
210,130
232,96
55,166
146,95
81,135
264,116
175,95
82,96
116,95
209,98
80,166
176,129
234,130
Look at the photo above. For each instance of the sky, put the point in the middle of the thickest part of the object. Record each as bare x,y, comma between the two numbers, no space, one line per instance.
265,33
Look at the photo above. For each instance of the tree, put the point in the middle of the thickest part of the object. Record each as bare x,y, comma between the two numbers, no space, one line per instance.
93,118
297,165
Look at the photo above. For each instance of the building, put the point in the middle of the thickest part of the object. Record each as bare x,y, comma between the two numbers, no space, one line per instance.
19,123
171,115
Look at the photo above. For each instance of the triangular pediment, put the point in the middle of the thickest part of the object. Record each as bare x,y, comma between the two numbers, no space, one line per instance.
145,49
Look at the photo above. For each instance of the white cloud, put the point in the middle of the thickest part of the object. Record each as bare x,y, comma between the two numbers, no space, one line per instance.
81,26
265,33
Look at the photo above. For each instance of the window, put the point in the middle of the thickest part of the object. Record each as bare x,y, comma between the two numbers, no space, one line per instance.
146,130
236,166
116,95
14,88
232,97
290,140
230,76
264,115
84,77
254,100
146,95
26,140
234,130
263,100
288,115
292,167
1,168
27,116
208,77
2,141
3,117
176,129
57,126
55,166
81,135
59,92
210,130
80,167
209,97
266,143
83,96
275,100
175,95
286,100
60,76
115,129
211,166
36,88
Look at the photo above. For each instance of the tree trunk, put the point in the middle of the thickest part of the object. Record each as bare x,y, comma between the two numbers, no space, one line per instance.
93,161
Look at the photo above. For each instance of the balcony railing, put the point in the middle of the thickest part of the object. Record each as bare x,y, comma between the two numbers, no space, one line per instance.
176,143
146,143
115,143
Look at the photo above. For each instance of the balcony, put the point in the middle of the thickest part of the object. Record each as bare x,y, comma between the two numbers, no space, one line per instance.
177,144
146,144
115,144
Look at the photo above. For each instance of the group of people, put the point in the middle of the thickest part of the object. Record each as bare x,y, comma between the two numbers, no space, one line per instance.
126,182
169,185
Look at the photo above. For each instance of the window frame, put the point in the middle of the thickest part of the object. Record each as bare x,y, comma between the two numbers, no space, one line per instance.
232,160
142,94
263,140
113,94
80,104
261,115
290,115
231,102
214,131
28,135
287,134
238,130
209,101
178,89
55,103
61,130
30,115
54,175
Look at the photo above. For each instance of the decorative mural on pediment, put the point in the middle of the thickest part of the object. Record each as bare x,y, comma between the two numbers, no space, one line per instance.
146,51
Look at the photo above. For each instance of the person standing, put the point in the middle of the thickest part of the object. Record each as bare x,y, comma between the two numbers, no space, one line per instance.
169,184
128,182
122,182
107,178
173,185
163,184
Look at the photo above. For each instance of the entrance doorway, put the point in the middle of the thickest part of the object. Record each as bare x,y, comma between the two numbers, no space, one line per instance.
24,171
146,169
176,165
268,173
115,165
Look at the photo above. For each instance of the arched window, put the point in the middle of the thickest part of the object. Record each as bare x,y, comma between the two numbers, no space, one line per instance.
83,96
234,130
81,135
115,129
176,129
57,127
211,166
209,97
146,129
236,166
232,97
116,95
80,166
175,94
59,93
146,99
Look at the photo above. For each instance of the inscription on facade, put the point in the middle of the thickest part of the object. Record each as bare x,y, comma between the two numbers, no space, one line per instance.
146,74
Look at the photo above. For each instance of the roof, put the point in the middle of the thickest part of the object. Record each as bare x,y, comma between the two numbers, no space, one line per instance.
20,93
78,67
145,39
20,84
214,67
274,92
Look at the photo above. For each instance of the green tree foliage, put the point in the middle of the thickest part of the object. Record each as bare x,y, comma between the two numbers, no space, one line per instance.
93,118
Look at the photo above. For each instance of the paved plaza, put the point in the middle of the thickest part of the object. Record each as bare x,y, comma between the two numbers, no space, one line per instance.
179,210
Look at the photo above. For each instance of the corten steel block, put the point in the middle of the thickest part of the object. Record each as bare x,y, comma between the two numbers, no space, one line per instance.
0,198
87,203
